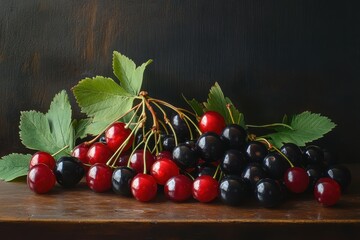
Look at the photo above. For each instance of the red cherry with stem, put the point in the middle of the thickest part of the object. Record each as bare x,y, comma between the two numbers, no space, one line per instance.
143,187
164,169
137,161
178,188
44,158
296,179
41,179
205,188
116,135
98,153
327,192
98,178
212,121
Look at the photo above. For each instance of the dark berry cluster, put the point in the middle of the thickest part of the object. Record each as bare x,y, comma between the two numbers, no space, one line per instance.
220,162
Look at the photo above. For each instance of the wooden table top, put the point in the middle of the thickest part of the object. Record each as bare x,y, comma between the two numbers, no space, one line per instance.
81,213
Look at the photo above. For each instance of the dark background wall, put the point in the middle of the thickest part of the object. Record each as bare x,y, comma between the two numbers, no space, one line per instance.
270,57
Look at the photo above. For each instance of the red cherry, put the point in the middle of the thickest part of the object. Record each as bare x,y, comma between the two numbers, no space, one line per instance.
143,187
327,191
80,152
42,157
164,169
41,179
98,153
178,188
205,188
212,121
122,160
296,179
116,135
98,178
137,161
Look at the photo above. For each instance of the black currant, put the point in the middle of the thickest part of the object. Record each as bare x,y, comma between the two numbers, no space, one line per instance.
168,142
293,153
268,192
233,162
69,171
255,151
181,128
341,175
184,156
233,190
314,155
210,147
275,165
234,136
121,180
252,173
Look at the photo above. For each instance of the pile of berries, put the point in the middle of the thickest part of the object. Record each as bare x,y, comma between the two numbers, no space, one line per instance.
221,162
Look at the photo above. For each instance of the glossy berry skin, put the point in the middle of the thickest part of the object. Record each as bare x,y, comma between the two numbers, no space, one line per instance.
121,180
180,127
98,178
168,142
44,158
162,170
233,162
327,192
41,178
275,165
293,153
116,135
137,161
206,169
341,175
252,173
314,155
234,136
122,160
178,188
315,173
143,187
212,121
233,190
296,179
80,152
205,189
268,193
98,153
184,156
164,154
210,147
255,151
69,171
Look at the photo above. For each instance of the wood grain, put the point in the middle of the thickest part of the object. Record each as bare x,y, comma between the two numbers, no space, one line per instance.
270,57
79,212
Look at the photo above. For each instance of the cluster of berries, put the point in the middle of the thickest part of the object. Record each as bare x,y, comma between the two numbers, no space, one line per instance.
224,162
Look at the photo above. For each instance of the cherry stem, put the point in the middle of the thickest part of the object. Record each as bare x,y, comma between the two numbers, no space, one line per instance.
216,171
59,151
272,147
189,175
228,106
144,152
271,125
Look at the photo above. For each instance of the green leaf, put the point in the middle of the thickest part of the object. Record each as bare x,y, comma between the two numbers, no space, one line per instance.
103,100
59,117
13,166
129,75
217,102
51,131
306,127
80,127
195,105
